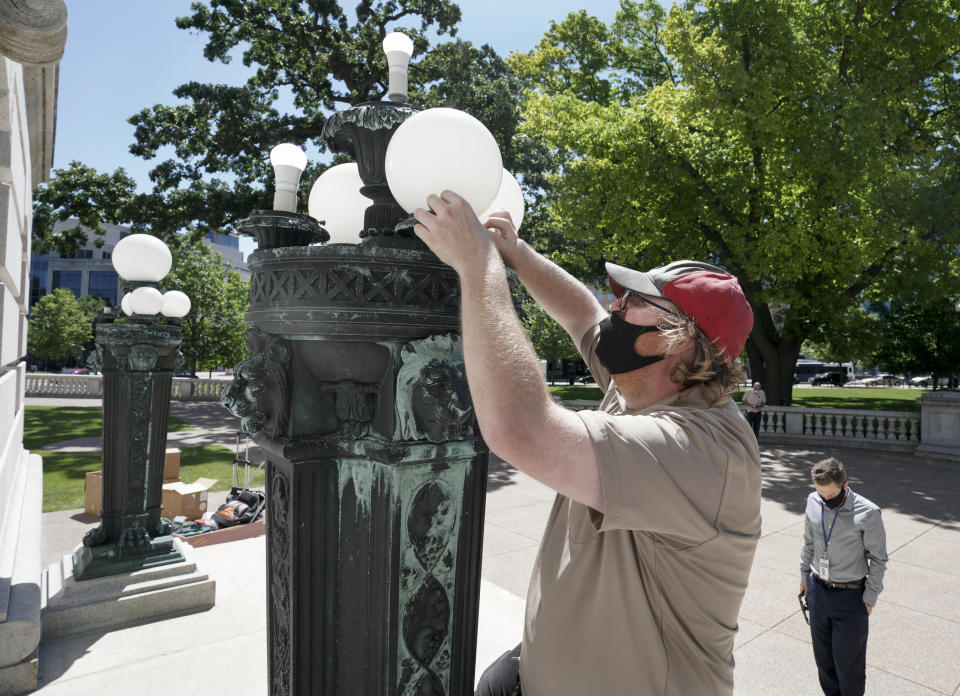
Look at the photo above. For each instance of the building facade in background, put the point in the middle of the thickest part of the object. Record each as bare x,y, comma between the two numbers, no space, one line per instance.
89,271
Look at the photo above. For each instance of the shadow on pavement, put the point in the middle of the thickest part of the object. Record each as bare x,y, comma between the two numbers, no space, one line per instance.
927,490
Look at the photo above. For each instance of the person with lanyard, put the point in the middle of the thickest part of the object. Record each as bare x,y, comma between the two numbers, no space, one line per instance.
842,563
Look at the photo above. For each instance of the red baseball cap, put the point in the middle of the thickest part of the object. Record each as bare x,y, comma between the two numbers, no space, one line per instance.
707,294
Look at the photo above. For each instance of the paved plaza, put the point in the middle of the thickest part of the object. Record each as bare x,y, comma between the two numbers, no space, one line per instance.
914,646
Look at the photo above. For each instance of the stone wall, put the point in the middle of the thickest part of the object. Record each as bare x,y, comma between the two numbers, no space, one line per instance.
32,37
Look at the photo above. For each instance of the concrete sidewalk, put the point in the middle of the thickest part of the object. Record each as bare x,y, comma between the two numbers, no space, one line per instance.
914,645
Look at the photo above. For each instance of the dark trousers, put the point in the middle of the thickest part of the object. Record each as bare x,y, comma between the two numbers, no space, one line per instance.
839,627
754,420
502,678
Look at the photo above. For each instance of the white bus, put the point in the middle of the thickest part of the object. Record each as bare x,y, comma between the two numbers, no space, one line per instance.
806,370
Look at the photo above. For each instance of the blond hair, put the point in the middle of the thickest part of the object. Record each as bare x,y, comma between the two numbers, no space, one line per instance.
707,365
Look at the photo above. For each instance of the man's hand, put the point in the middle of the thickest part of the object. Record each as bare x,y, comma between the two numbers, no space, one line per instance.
803,591
869,608
452,231
500,224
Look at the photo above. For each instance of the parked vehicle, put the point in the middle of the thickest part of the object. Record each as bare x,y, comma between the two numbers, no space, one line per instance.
884,380
836,379
805,370
76,371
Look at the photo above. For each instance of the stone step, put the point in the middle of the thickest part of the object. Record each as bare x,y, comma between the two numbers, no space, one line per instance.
20,632
11,521
71,606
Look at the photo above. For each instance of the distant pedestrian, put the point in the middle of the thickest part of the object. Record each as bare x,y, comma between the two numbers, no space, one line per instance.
755,399
841,570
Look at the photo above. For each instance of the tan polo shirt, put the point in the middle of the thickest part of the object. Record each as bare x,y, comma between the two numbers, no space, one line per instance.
644,597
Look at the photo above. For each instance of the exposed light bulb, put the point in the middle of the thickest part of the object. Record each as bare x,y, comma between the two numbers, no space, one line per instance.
141,257
146,301
175,304
288,162
398,48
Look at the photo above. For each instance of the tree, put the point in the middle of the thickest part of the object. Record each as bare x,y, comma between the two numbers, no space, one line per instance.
306,52
919,337
808,148
80,192
213,330
550,340
58,328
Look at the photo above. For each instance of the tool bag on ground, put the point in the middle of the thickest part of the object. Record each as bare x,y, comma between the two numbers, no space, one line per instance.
242,507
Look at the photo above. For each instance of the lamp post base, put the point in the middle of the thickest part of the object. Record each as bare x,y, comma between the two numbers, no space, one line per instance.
125,556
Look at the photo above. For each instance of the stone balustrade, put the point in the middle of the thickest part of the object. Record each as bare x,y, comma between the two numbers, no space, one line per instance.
91,387
888,429
897,429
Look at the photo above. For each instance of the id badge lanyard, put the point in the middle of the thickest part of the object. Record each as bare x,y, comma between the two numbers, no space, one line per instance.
825,561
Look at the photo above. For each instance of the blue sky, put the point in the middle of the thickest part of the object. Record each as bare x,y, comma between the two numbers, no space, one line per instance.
124,55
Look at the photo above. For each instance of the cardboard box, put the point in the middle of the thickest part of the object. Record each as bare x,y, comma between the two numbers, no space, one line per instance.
93,493
240,531
187,499
171,465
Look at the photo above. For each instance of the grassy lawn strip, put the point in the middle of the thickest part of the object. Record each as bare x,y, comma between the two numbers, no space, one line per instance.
857,398
47,424
64,473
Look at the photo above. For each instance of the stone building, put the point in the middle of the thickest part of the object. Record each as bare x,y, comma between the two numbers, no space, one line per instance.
32,37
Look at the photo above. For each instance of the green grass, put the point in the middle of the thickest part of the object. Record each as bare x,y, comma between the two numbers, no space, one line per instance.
857,398
64,472
576,392
46,424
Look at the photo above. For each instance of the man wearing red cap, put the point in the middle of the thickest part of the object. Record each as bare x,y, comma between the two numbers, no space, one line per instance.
645,559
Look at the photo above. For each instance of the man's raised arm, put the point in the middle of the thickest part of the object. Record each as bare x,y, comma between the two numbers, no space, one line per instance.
561,295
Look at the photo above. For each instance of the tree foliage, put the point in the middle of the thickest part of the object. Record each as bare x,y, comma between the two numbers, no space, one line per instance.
213,330
306,58
59,328
550,340
918,336
808,148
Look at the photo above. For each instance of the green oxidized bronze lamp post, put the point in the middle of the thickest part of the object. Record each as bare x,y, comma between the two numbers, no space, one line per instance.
138,357
376,470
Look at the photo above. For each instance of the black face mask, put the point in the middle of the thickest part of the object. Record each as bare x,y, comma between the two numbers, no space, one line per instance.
615,347
836,501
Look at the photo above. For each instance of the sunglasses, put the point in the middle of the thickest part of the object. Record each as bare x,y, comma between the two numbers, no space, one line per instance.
804,607
622,302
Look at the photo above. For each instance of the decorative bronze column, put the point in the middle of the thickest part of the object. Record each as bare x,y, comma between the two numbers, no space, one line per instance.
376,470
137,359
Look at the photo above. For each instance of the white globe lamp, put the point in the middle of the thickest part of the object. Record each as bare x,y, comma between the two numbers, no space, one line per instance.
398,48
509,198
175,304
288,163
443,149
141,257
125,304
146,301
335,198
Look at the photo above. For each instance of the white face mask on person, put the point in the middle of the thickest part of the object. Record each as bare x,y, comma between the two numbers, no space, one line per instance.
615,347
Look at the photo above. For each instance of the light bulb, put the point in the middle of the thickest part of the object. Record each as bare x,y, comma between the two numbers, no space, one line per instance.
175,304
443,149
336,199
398,48
288,164
146,301
509,198
141,257
125,304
